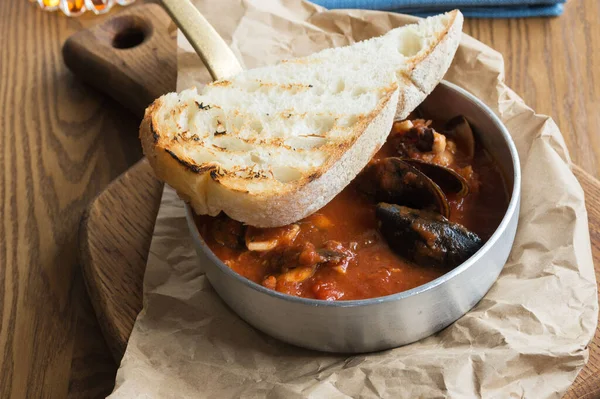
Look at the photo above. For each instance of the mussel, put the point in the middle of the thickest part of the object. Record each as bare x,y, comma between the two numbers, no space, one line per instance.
426,237
459,130
413,209
395,181
422,136
447,179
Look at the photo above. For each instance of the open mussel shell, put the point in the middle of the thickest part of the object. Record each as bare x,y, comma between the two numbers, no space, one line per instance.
459,130
447,179
424,237
395,181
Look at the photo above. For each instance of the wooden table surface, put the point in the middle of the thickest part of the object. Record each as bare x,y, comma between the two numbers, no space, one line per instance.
62,142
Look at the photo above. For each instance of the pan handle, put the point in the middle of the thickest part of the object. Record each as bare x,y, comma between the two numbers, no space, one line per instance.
212,49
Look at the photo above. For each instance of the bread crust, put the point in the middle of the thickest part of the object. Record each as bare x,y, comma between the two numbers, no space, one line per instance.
208,193
430,67
207,187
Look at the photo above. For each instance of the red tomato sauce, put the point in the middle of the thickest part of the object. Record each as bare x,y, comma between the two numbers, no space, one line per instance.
338,253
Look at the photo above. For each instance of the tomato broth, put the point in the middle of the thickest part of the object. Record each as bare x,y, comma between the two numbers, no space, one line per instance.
338,253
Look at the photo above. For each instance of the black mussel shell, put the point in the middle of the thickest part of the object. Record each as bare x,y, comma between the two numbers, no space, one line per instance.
459,130
424,237
393,180
448,179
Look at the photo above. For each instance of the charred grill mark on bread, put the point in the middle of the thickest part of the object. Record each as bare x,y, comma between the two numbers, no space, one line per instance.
154,134
190,166
282,140
202,106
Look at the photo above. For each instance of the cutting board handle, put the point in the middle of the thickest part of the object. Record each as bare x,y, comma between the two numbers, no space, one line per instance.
130,56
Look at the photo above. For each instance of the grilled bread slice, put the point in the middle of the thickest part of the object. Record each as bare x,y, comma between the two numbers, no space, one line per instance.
272,145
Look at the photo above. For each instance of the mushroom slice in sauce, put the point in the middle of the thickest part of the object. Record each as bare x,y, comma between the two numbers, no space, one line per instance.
258,239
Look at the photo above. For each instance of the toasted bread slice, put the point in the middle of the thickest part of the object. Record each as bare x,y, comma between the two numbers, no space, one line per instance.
272,145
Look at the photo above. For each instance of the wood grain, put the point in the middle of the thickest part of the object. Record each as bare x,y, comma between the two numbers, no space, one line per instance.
94,379
93,369
587,384
135,76
553,64
143,72
73,141
117,230
60,144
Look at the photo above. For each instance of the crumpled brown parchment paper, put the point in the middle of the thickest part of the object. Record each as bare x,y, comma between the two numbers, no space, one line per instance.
526,338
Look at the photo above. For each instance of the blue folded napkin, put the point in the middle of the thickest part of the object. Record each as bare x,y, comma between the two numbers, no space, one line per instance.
470,8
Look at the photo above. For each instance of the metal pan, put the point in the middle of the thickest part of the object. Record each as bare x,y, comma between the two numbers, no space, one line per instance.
370,324
385,322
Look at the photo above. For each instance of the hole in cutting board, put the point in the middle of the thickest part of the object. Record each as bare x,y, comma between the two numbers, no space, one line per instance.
129,31
128,38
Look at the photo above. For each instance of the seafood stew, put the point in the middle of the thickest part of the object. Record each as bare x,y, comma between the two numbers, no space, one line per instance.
427,201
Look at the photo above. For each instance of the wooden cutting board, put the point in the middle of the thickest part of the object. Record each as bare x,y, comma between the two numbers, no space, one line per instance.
131,57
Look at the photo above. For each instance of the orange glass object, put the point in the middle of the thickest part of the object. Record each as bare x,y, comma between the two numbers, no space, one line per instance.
99,6
73,8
